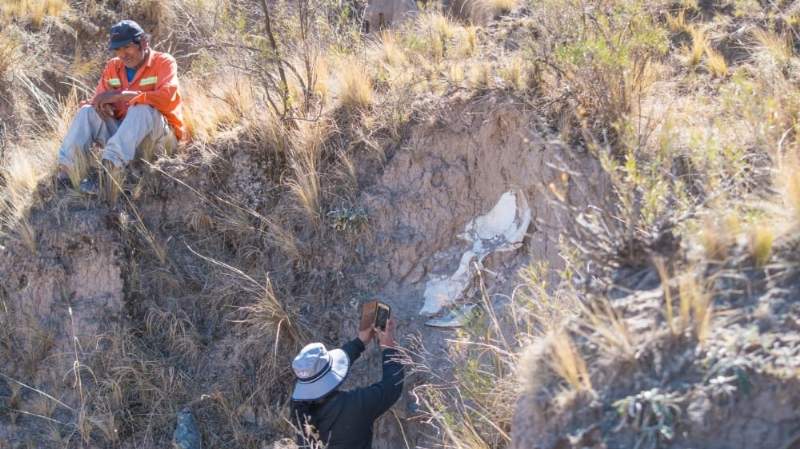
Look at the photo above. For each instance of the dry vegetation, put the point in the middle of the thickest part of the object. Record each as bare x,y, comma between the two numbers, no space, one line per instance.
699,139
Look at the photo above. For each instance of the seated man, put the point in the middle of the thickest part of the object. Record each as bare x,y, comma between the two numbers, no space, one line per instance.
343,419
135,102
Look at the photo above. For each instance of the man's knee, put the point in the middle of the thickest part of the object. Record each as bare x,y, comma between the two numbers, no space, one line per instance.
87,109
140,110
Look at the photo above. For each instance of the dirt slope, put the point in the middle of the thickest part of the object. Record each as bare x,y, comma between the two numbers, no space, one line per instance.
452,168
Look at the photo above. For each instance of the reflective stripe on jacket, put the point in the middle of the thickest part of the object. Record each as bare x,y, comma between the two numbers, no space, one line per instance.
157,84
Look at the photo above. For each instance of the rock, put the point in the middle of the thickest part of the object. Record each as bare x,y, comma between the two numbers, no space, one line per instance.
384,13
186,435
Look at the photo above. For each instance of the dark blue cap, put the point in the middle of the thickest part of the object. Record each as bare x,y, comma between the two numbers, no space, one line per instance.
123,33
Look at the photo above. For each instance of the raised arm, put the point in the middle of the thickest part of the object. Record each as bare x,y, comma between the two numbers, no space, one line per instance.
380,396
353,349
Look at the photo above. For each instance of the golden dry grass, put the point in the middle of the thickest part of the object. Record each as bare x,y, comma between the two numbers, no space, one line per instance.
760,241
355,85
696,306
776,47
606,327
209,111
10,51
515,73
36,11
308,143
716,63
567,362
698,48
677,23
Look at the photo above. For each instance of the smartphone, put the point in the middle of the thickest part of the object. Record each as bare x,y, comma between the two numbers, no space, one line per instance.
374,314
382,315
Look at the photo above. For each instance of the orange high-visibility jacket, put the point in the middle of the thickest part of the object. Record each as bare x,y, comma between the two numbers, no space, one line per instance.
157,84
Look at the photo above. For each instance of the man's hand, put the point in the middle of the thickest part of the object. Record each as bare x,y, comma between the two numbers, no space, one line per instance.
366,336
104,103
386,338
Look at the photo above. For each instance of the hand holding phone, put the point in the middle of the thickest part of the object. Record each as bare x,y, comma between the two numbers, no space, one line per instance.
386,337
374,316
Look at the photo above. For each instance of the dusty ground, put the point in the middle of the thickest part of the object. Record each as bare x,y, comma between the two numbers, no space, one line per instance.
452,168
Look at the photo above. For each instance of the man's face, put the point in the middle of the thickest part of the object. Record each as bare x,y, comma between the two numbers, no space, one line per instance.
131,55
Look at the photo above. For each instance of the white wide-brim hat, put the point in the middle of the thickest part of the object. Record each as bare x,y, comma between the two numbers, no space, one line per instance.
318,371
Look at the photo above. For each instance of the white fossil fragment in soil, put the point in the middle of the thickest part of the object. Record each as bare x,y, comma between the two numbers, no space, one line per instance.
501,229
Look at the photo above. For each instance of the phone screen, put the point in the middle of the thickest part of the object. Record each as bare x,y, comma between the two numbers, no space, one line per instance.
382,316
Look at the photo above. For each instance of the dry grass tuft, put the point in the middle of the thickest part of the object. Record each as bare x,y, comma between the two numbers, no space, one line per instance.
480,76
760,240
677,23
270,316
695,303
777,48
717,235
698,47
10,51
605,326
390,51
210,111
355,85
23,169
304,158
33,10
715,63
567,362
515,73
789,183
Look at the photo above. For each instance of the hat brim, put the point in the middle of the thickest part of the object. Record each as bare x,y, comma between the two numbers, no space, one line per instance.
340,365
113,45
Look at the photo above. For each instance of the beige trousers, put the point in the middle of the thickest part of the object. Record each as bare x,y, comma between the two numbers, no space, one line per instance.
143,128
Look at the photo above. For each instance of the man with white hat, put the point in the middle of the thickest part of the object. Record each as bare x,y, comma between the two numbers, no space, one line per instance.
343,419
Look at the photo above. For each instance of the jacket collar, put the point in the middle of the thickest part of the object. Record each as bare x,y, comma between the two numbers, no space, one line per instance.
121,70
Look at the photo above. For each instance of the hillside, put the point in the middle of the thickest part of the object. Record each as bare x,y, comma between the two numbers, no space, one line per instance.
607,190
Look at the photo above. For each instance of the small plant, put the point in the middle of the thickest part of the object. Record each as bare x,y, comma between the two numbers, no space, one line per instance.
348,219
652,414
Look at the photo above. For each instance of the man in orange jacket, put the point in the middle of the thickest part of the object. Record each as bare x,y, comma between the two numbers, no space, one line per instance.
136,103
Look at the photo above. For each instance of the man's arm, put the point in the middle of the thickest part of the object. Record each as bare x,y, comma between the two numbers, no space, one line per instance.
356,346
353,349
380,396
164,96
102,85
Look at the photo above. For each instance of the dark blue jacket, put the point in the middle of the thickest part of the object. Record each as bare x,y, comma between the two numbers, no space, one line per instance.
344,419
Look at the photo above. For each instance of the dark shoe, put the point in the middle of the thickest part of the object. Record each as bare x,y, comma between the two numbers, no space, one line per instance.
89,186
62,181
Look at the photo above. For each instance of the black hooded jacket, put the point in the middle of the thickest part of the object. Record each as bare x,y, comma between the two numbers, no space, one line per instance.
344,419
